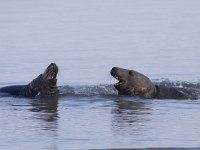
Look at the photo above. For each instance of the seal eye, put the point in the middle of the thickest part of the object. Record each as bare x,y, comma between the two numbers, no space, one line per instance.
130,73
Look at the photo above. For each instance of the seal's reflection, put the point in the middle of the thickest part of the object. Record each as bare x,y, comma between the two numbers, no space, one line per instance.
47,110
46,114
130,115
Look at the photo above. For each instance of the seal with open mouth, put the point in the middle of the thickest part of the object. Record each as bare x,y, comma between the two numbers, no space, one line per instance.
44,85
133,83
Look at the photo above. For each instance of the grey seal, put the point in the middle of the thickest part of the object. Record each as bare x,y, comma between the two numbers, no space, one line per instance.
44,85
133,83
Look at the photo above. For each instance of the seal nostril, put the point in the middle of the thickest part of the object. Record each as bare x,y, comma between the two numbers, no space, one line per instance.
114,69
130,73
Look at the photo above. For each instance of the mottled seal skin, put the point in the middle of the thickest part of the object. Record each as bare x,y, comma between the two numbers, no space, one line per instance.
133,83
44,85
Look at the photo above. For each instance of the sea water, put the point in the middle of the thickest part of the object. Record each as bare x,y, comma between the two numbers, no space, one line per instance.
86,38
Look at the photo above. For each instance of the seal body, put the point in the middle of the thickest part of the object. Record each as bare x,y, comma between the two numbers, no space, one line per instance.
44,85
133,83
23,90
167,92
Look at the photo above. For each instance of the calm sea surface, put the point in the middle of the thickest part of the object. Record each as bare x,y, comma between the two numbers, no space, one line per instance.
86,38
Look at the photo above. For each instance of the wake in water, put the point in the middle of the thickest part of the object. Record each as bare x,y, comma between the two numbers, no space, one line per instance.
106,89
102,89
182,84
109,89
92,90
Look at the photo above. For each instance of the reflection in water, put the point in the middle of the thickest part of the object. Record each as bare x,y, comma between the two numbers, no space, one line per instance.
48,108
129,116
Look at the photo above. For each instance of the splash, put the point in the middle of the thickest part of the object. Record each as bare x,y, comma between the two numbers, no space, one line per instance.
109,89
93,90
181,84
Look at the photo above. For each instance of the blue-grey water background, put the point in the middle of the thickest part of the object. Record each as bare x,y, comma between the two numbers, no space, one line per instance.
86,38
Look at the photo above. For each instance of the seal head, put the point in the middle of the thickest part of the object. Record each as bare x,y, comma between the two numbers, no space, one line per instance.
132,83
48,84
45,84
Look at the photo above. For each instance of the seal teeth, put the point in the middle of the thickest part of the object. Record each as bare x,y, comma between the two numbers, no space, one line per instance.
120,82
116,77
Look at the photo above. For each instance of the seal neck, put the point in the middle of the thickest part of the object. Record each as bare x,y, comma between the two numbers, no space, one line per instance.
35,83
156,92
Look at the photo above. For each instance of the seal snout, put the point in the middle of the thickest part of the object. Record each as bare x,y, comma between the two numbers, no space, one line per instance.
54,67
51,72
113,72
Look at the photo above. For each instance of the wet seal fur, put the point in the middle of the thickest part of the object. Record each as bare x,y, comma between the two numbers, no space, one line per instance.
44,85
133,83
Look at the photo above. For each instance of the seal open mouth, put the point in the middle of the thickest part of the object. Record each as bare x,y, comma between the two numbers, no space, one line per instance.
121,82
114,73
48,84
51,72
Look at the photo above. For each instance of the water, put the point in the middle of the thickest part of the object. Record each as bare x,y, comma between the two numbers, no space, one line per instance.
86,39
